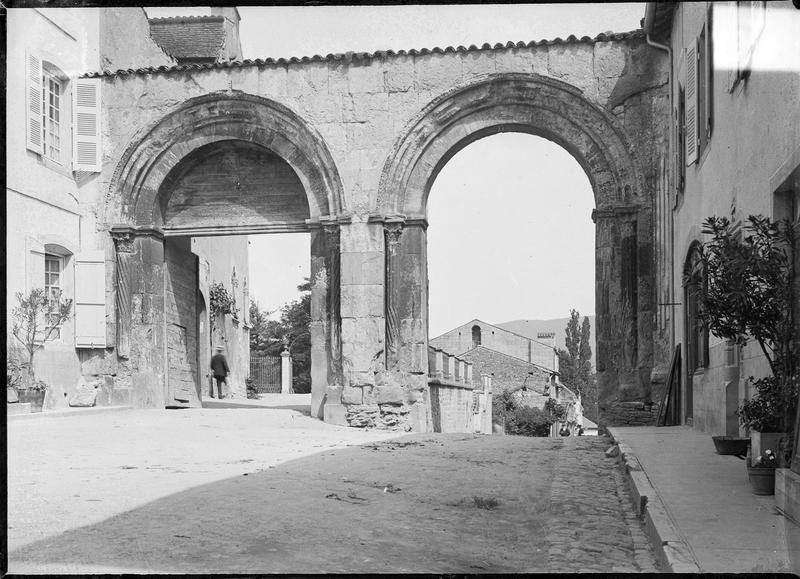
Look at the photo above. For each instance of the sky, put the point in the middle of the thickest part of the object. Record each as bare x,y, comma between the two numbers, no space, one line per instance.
527,255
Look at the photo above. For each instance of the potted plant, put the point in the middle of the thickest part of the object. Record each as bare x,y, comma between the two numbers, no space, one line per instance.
749,271
35,321
761,473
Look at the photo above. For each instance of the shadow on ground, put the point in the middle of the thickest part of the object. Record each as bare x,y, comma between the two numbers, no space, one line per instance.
300,408
423,503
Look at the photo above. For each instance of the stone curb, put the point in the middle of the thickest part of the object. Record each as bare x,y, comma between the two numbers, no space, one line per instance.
672,551
70,412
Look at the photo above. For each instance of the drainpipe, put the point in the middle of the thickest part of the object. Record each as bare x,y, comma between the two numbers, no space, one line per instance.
648,26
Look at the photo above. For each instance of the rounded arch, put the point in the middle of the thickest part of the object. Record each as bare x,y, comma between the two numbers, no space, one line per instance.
212,118
509,102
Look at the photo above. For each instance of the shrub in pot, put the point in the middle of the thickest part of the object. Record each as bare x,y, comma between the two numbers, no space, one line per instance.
36,320
749,272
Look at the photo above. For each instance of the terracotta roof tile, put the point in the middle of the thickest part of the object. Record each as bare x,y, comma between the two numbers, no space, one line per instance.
356,56
189,37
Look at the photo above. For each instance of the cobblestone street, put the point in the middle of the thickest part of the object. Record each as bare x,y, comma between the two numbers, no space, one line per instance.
273,491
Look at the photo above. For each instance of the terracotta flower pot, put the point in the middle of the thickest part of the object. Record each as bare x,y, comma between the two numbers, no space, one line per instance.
731,445
35,397
762,480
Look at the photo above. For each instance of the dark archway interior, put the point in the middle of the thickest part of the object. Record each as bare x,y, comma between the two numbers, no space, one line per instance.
232,183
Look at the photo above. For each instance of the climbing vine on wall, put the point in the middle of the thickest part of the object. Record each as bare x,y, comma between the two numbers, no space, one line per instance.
221,301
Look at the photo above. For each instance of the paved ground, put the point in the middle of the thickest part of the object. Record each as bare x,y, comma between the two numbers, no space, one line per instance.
267,490
717,521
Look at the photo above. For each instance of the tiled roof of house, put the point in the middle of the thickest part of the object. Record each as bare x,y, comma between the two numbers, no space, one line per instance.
189,37
356,56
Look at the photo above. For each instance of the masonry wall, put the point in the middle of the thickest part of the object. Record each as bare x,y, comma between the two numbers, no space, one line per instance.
754,146
507,372
125,41
359,106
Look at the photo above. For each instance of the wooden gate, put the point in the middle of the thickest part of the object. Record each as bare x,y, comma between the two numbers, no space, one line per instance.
265,372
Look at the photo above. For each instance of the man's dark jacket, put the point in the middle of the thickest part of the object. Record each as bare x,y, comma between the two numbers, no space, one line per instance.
220,365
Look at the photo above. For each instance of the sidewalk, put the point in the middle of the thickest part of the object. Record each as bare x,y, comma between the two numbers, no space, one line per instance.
697,505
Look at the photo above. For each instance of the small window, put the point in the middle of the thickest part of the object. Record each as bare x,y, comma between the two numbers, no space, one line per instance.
695,283
476,336
53,265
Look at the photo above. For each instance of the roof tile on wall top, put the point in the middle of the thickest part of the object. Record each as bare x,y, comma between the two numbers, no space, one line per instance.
354,56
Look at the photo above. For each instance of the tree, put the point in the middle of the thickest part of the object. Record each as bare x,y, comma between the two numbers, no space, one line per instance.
749,273
292,332
266,336
36,319
575,362
296,321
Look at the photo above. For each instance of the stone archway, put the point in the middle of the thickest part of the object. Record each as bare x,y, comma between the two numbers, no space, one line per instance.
235,125
559,112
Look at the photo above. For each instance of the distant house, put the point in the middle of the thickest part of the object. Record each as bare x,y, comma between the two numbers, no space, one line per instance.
476,333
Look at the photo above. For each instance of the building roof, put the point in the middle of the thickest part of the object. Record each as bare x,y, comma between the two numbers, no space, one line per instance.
189,37
360,56
473,321
537,366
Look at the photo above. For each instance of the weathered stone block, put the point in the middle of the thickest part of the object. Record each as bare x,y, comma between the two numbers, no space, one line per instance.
335,136
335,414
413,358
402,107
272,82
413,330
363,379
364,107
362,237
388,392
477,64
400,76
362,341
362,267
365,76
370,134
436,73
352,395
323,107
574,64
522,60
609,59
360,301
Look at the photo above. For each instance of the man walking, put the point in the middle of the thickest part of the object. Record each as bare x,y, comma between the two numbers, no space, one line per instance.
219,365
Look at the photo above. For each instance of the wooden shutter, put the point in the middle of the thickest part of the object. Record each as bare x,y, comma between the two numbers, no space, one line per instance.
691,103
86,125
33,103
90,300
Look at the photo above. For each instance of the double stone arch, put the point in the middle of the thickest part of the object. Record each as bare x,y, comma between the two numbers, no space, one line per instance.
498,103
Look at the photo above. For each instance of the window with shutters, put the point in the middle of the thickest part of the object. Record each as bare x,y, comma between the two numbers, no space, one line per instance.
52,89
61,129
704,86
53,266
680,139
